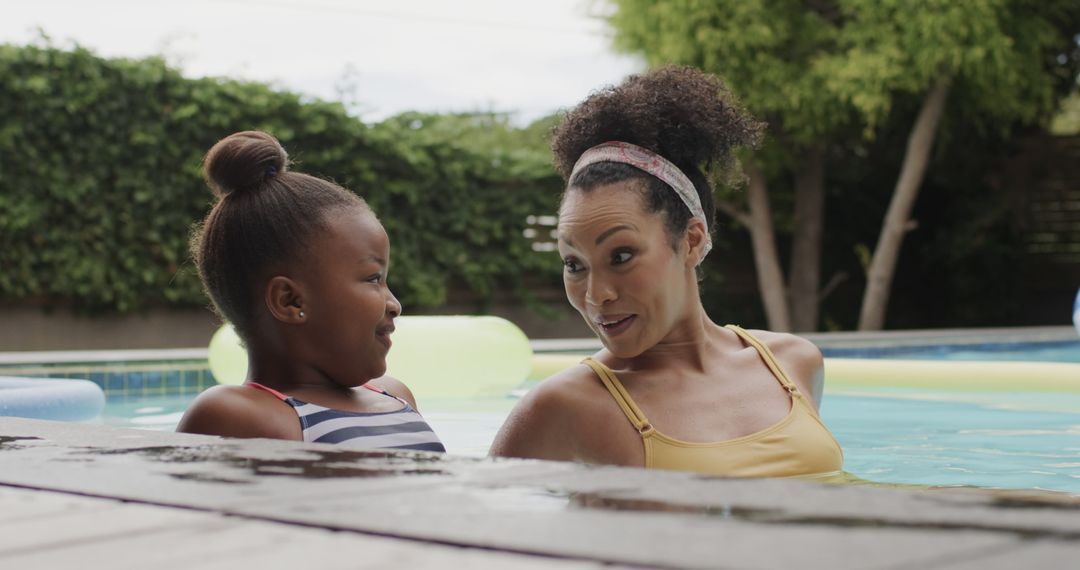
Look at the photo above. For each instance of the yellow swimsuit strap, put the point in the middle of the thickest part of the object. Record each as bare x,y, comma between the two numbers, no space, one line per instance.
774,365
622,397
637,417
768,357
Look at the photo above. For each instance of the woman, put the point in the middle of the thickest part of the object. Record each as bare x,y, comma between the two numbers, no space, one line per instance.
670,389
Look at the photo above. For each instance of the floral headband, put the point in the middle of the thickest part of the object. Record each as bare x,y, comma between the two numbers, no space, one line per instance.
656,165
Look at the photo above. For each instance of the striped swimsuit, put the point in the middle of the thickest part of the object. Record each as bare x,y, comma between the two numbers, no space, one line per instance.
400,429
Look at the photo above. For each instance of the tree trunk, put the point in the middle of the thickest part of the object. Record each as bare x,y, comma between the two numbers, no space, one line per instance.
805,274
770,278
896,224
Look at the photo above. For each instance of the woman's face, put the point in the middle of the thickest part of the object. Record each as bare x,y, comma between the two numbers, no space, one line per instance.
350,309
620,270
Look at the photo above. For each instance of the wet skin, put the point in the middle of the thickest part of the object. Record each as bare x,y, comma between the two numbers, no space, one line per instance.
694,380
323,330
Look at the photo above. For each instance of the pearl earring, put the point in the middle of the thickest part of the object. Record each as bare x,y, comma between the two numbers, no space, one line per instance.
301,314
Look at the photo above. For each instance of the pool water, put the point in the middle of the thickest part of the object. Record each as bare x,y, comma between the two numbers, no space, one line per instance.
1057,351
1048,352
889,436
915,439
466,427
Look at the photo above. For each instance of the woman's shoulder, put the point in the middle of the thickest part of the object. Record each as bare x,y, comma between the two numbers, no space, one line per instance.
798,357
544,423
239,411
787,346
565,392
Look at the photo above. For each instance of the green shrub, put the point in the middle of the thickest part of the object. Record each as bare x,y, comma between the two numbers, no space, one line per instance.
100,182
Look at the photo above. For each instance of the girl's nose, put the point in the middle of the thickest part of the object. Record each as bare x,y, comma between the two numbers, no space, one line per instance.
393,307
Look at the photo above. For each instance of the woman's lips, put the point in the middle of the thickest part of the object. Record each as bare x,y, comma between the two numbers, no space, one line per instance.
614,326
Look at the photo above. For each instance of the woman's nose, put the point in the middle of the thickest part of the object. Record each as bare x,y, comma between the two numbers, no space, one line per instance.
599,290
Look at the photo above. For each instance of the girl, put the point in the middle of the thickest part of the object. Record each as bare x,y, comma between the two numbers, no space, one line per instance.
670,389
298,265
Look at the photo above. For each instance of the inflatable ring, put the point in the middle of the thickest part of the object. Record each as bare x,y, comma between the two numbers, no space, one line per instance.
940,375
459,356
549,364
435,356
953,375
1076,312
50,398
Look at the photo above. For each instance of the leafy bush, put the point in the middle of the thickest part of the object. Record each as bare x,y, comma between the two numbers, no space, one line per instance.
100,181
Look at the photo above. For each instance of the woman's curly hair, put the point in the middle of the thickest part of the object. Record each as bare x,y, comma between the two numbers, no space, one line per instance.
681,113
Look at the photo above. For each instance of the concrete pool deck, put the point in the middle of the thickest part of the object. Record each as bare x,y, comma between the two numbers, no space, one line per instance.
76,495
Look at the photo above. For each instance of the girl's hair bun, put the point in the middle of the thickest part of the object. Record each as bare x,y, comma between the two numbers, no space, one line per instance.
243,161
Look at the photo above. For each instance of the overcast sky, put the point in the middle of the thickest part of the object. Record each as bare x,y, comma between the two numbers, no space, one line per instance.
381,57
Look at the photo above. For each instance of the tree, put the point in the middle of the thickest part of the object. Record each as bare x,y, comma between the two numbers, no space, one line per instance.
763,50
822,72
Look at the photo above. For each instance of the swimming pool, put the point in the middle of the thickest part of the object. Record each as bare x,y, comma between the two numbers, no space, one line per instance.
1054,351
896,438
889,434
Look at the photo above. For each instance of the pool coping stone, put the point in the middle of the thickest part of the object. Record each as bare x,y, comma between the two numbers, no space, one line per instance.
531,512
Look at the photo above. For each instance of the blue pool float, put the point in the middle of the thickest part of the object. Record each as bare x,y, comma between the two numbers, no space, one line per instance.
1076,312
50,398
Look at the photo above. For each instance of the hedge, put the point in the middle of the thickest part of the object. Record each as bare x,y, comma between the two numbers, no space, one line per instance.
100,182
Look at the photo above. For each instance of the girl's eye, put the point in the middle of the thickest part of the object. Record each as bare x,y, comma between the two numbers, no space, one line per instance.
620,257
377,278
571,265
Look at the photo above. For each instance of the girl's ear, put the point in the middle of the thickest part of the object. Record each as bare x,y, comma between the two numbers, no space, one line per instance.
284,299
695,242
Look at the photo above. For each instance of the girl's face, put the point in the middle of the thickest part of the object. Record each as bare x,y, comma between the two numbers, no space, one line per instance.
620,270
350,309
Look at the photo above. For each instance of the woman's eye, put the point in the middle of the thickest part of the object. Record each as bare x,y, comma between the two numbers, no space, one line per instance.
620,257
571,265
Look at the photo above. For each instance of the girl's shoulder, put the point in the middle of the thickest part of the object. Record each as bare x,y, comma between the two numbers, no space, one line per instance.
395,388
240,411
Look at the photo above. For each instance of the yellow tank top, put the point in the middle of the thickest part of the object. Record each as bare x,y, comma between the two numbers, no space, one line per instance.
797,446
